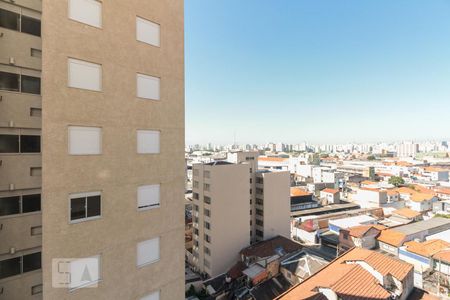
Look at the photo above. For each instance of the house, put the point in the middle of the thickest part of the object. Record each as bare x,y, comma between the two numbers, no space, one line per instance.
441,207
300,265
357,274
371,197
435,173
442,262
362,236
330,196
443,193
407,214
390,240
421,202
420,254
301,199
336,225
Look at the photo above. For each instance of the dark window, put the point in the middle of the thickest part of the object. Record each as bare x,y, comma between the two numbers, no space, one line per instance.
77,208
30,144
93,206
9,143
10,267
9,206
31,203
31,262
85,207
9,81
9,19
31,85
31,26
259,233
36,53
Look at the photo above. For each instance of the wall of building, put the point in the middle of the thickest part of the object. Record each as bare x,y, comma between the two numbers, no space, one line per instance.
119,170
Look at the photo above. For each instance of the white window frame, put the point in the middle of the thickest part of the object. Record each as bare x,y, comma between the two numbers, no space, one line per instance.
85,195
73,18
151,295
90,127
146,131
139,93
72,60
95,282
143,208
152,261
152,24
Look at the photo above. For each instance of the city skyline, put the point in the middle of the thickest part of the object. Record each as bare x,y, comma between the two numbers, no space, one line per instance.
316,69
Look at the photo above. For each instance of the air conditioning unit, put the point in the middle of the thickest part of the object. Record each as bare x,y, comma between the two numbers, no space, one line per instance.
11,187
11,123
12,250
12,61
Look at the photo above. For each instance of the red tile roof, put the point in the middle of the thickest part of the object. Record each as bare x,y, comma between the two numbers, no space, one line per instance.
407,213
392,237
295,192
331,191
267,248
350,280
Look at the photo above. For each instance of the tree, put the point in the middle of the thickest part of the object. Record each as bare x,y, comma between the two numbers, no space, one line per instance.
371,157
396,180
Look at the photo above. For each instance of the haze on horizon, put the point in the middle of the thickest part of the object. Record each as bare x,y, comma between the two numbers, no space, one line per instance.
318,71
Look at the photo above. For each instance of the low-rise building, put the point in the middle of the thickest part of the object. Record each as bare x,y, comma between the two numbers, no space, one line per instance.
357,274
362,236
330,196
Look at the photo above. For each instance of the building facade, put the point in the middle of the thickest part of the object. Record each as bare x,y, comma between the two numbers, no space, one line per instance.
92,119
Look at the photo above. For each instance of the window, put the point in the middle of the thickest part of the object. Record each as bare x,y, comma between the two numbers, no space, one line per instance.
259,233
152,296
9,20
14,21
195,184
35,112
259,201
86,11
207,199
147,32
195,207
207,238
79,267
195,196
84,140
147,252
20,204
9,143
206,174
207,225
195,231
9,81
259,222
36,230
207,251
36,53
31,203
85,75
36,289
259,191
207,212
206,186
35,171
345,235
148,141
259,212
31,25
85,206
30,144
148,87
148,196
9,206
18,265
30,85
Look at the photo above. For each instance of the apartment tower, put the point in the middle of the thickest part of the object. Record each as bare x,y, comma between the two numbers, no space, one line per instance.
91,149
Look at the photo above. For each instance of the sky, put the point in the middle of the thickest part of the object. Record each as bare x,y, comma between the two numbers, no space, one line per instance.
321,71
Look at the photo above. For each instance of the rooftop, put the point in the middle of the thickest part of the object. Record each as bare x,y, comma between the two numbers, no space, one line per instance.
271,247
361,230
331,191
350,279
407,213
427,248
296,192
352,221
423,225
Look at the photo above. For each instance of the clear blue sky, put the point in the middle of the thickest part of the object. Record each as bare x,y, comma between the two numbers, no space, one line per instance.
323,71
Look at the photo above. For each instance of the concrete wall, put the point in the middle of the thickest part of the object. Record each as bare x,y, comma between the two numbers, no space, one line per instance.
119,170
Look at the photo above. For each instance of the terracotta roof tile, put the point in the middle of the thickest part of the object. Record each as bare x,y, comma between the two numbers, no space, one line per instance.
427,248
267,248
407,213
392,237
295,192
332,191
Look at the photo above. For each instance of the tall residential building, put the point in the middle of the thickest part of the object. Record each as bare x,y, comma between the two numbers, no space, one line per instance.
235,204
220,220
92,119
407,149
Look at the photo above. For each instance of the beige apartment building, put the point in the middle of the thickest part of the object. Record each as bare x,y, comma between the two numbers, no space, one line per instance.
234,205
91,149
220,196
